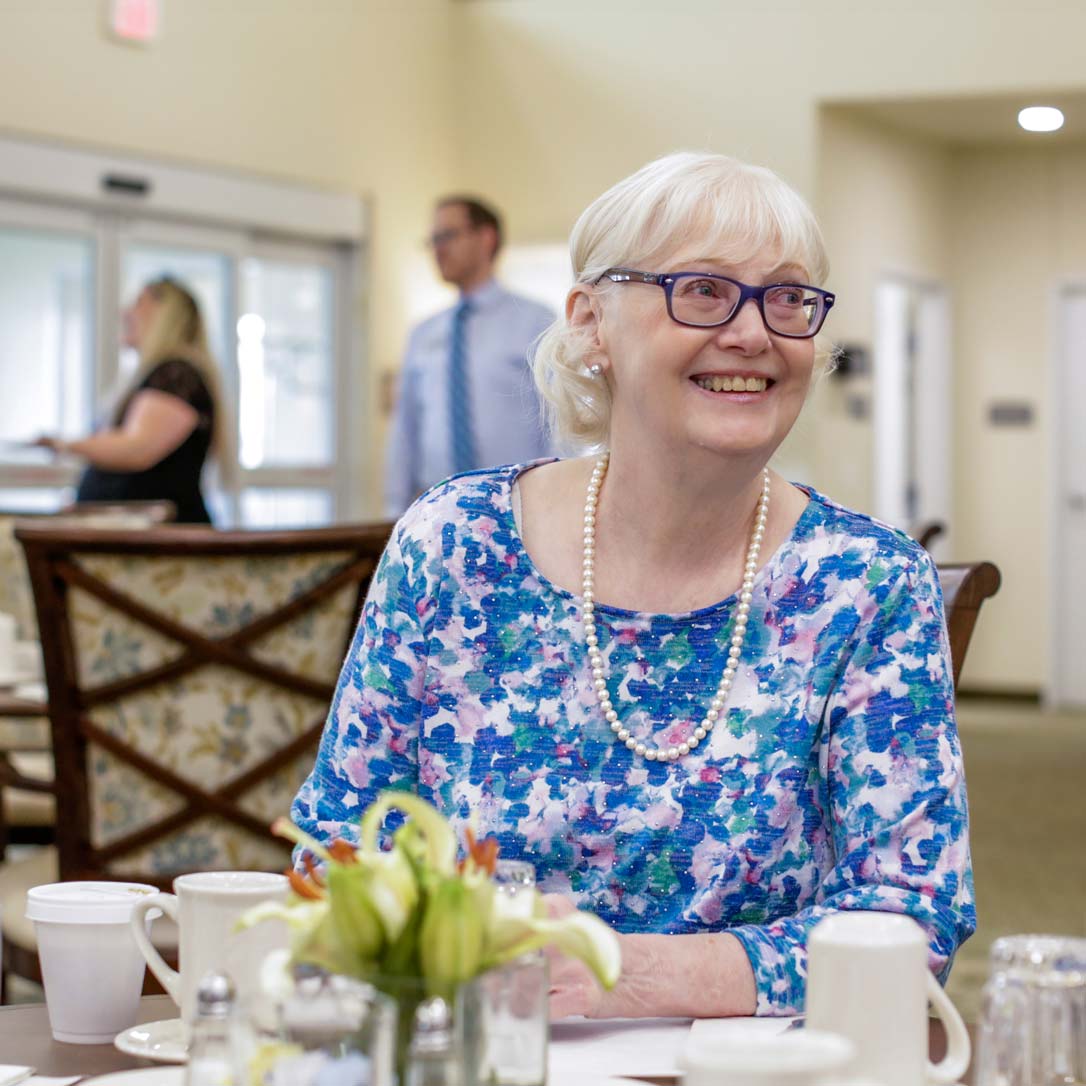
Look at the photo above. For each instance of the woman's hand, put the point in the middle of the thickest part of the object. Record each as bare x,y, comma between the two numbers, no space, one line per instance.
573,988
54,444
676,976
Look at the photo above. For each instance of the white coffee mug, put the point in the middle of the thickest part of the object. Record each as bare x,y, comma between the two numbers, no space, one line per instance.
868,980
207,906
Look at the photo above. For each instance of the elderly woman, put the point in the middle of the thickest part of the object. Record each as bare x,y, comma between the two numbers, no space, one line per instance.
709,705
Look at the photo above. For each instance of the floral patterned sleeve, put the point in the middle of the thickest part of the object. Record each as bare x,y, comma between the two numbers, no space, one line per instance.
890,756
370,741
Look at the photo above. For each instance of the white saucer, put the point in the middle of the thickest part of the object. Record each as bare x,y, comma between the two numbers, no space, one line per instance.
163,1042
144,1076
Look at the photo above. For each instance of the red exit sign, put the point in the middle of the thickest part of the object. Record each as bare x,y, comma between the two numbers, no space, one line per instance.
136,21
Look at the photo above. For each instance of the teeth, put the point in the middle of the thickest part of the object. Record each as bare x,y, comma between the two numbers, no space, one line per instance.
733,384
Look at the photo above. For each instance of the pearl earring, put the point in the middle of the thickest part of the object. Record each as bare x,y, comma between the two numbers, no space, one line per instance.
595,369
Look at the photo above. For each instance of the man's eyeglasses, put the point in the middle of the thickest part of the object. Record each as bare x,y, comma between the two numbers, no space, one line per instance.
702,300
443,237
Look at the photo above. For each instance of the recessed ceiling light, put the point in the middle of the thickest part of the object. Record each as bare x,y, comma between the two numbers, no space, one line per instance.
1040,118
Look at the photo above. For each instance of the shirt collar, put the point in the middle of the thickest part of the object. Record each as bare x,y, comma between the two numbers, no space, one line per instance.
483,295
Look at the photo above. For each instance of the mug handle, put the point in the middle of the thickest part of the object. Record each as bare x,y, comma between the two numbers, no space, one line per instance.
953,1065
169,978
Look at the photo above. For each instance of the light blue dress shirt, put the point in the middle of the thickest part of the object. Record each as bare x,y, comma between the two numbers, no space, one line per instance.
505,413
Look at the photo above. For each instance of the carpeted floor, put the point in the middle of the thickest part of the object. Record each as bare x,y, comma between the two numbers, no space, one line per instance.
1025,770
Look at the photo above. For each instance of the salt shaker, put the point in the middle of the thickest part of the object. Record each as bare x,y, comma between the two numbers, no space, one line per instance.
216,1043
433,1059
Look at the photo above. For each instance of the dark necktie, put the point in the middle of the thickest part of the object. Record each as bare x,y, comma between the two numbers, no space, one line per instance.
461,432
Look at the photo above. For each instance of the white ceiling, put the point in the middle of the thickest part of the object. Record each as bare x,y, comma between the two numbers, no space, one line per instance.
971,121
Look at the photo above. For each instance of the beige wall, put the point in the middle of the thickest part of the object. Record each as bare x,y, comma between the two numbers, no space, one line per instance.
559,98
542,103
982,221
567,97
352,94
986,222
1019,229
882,198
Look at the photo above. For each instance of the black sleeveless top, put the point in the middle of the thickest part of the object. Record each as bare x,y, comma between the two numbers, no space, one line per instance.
176,477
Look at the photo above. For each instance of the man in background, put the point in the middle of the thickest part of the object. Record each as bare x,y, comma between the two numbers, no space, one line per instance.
466,396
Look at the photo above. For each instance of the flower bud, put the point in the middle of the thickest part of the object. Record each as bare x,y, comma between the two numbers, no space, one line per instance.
355,922
451,939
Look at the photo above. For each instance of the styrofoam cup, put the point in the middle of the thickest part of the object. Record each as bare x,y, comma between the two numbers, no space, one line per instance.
91,967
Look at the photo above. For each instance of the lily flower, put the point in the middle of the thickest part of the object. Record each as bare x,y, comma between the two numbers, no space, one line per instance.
414,911
427,837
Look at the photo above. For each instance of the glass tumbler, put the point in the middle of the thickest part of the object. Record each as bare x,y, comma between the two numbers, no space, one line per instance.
332,1029
515,995
1033,1013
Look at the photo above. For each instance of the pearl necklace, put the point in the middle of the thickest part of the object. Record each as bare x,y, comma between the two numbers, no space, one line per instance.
739,629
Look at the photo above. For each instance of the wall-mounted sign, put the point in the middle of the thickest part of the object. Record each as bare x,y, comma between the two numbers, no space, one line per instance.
136,22
1010,413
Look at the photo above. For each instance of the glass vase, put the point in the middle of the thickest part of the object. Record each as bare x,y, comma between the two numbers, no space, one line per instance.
331,1029
350,1032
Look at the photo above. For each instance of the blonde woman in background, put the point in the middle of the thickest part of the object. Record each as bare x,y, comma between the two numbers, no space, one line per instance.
170,417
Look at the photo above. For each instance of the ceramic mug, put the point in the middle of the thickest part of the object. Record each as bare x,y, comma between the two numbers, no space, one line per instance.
207,906
868,980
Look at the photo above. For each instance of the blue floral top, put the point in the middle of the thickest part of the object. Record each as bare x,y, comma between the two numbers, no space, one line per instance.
833,779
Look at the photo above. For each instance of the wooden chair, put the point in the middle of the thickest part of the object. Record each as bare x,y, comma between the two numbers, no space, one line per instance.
965,587
927,533
27,814
190,674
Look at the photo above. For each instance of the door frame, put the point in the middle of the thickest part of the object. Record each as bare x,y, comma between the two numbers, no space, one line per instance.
1054,693
928,447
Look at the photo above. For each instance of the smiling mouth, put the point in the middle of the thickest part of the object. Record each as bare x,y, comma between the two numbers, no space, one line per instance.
733,384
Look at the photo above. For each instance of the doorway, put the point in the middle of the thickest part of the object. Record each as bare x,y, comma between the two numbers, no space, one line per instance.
913,408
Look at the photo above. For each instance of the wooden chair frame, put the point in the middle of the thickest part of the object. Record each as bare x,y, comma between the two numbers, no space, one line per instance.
11,707
965,587
53,573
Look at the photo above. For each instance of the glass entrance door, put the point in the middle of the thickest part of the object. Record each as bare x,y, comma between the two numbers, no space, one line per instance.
48,263
271,318
205,262
274,314
288,385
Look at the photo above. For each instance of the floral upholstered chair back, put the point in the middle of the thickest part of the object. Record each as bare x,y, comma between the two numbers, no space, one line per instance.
15,595
199,669
16,598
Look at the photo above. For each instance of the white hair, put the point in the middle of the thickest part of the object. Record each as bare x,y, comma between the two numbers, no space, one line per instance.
732,210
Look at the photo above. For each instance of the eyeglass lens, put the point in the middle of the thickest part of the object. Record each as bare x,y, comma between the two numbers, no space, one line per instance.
789,310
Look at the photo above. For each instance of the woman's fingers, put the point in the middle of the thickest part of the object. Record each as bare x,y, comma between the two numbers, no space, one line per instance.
573,989
558,905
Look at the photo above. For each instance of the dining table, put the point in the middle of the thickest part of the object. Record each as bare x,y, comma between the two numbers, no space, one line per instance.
25,1039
